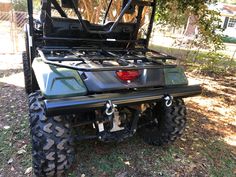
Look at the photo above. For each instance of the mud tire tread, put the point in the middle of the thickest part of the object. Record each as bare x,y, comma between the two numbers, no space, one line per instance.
52,151
171,124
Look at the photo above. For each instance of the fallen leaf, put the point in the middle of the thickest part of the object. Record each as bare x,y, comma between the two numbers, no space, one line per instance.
21,151
28,170
10,161
124,174
127,163
6,127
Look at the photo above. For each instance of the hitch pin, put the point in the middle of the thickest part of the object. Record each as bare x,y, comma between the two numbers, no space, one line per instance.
168,100
110,108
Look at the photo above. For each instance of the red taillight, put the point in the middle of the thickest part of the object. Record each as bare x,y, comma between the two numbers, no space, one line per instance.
128,75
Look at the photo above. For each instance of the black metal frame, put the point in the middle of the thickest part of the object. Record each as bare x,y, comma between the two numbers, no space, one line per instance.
83,103
46,8
111,28
58,61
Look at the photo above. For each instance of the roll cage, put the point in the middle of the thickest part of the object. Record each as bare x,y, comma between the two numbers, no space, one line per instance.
46,16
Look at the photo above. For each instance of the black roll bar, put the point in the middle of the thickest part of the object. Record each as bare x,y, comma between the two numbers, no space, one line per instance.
46,25
108,8
58,8
149,31
101,32
30,16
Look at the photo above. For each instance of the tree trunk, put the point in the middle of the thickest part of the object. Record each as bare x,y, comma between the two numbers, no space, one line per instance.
191,26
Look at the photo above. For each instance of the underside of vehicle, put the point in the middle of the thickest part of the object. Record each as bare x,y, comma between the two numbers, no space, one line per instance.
97,72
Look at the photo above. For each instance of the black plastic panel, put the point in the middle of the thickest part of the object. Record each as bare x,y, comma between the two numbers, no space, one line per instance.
108,81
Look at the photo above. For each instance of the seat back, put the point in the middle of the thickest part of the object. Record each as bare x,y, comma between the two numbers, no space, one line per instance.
72,28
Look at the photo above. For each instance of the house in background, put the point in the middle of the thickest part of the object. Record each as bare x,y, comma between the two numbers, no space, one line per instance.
228,17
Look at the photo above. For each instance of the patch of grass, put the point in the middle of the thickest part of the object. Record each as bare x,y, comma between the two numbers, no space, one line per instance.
72,175
95,159
222,163
214,62
168,157
109,163
21,133
22,130
210,62
5,146
26,160
12,141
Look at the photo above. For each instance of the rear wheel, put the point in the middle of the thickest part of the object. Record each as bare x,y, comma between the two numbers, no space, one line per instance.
168,123
52,144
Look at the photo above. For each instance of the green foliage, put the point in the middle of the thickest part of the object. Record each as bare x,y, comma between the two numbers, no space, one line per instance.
37,5
220,158
176,12
19,5
206,62
228,39
5,151
214,62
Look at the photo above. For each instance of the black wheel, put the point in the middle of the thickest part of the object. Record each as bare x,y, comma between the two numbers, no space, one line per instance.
168,123
29,77
52,143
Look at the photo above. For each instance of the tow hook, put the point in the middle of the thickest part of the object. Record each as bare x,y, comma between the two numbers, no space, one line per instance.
168,100
110,108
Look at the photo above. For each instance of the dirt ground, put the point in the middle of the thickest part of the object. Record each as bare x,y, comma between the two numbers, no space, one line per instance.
208,147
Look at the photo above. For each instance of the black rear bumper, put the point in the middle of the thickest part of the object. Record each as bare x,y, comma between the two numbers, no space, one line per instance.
75,104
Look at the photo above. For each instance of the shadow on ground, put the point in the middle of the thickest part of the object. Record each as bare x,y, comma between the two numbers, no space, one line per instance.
198,153
9,72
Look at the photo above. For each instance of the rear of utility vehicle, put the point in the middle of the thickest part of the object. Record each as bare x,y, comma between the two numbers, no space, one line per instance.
96,71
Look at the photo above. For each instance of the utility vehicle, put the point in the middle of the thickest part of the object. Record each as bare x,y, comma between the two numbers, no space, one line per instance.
100,75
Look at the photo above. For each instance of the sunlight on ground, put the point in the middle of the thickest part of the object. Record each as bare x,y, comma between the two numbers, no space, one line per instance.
231,140
217,104
10,62
192,81
11,66
14,79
